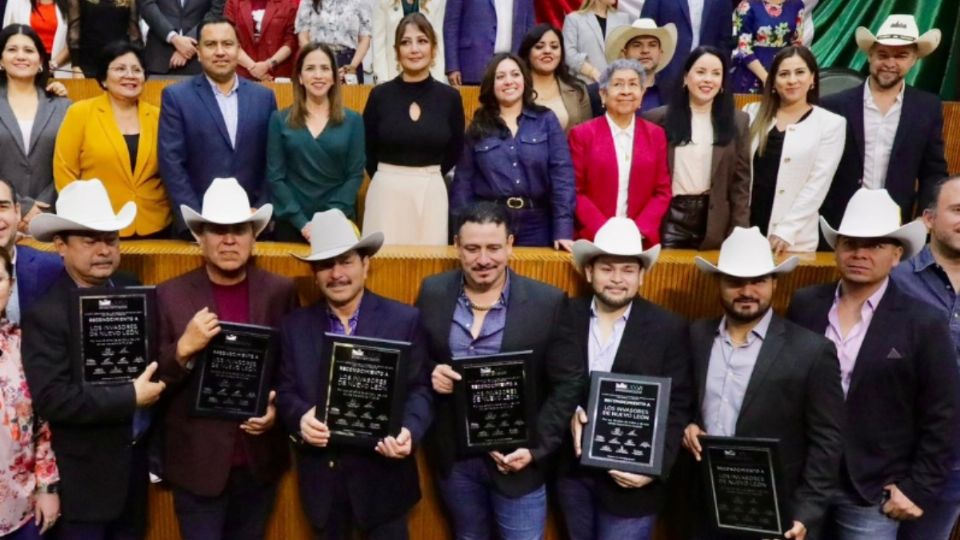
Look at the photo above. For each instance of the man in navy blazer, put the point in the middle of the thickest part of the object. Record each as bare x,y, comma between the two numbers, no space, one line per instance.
711,24
344,486
214,125
898,370
894,131
471,35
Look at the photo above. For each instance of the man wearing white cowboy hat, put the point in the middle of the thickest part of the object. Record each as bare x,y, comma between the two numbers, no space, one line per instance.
341,487
898,370
651,45
224,473
759,375
622,333
886,117
98,431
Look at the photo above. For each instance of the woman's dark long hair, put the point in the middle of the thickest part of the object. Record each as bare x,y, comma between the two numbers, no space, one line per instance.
678,120
562,72
298,109
40,80
486,121
770,103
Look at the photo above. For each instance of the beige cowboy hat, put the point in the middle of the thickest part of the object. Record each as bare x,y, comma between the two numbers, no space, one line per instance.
620,36
746,254
871,213
332,234
226,203
83,205
618,236
898,31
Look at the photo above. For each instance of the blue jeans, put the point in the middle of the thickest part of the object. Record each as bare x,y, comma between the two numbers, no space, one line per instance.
850,520
27,531
939,516
474,503
587,521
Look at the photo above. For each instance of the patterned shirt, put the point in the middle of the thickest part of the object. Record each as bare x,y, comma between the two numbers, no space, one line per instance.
339,23
335,325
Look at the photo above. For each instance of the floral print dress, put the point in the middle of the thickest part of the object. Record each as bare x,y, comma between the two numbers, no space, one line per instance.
26,459
762,29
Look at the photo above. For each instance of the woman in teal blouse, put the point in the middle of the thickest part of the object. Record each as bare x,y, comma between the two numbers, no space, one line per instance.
315,148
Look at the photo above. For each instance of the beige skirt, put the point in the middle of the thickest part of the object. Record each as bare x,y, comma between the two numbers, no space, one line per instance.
408,205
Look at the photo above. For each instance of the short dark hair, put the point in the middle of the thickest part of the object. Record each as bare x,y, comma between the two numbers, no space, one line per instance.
110,52
484,212
216,19
7,261
936,190
13,190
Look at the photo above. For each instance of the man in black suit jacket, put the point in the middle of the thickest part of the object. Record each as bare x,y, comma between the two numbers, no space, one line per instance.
894,131
615,330
898,371
758,375
98,431
485,308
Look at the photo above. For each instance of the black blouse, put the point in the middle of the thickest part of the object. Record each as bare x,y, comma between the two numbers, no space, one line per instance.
133,144
766,169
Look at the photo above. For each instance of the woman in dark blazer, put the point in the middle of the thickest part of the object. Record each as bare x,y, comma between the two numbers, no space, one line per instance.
268,43
555,87
708,154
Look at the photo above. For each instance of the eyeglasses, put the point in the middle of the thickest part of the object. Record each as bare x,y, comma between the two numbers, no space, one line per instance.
124,70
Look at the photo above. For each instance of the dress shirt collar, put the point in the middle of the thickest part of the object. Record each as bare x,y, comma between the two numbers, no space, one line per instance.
504,294
923,260
874,299
868,95
759,330
617,130
624,317
233,88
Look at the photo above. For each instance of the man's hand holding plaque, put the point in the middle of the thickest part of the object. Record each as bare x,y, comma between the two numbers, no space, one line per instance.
259,425
397,447
197,335
147,391
443,377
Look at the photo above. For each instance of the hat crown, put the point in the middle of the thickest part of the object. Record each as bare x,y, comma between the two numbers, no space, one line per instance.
330,230
85,201
226,202
746,253
899,27
645,23
871,213
619,236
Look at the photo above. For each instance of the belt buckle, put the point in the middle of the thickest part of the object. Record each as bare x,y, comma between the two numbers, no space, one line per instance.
515,203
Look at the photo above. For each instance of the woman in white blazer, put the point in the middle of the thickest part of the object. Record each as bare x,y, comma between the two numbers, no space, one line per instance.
19,12
386,16
584,33
796,147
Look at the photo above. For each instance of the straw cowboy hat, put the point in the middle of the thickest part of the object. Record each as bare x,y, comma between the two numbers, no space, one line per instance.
746,254
332,234
620,36
226,203
618,236
871,213
898,31
83,206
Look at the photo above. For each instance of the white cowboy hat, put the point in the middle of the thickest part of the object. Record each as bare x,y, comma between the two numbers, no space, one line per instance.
871,213
618,236
226,203
898,31
83,206
746,254
620,36
332,234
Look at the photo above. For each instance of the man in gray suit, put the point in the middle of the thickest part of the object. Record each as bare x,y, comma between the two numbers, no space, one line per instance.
759,375
172,41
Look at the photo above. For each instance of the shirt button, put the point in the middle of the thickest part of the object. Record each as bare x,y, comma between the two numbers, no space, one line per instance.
786,160
514,163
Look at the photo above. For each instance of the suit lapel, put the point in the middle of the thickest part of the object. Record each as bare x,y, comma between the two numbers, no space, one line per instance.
630,352
243,104
258,297
701,347
685,8
769,352
111,132
855,120
516,311
148,139
594,25
876,343
9,120
202,293
903,131
205,93
369,309
44,113
272,7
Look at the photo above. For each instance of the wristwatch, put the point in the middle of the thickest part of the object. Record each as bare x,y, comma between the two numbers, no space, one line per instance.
49,488
273,63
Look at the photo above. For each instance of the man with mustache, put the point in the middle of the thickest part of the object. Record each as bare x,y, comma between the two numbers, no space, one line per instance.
621,333
224,473
759,375
894,131
485,308
898,370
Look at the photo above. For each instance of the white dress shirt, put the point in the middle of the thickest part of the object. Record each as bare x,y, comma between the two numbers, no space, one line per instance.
623,143
696,20
879,130
504,40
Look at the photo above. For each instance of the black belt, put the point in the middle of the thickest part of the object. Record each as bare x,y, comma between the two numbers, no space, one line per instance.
519,203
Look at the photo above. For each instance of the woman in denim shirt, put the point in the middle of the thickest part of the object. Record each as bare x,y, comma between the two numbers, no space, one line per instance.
517,155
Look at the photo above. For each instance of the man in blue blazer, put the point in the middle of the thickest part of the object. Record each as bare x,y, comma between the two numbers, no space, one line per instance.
343,487
472,34
214,125
698,22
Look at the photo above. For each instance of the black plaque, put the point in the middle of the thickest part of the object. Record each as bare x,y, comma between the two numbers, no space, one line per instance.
626,422
494,401
116,332
232,376
744,485
366,388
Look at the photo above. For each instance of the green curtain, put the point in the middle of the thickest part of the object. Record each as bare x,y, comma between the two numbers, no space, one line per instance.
836,21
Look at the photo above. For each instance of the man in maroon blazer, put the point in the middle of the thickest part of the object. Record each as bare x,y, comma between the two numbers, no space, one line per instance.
224,473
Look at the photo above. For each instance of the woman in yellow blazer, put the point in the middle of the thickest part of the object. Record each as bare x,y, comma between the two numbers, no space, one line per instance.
113,137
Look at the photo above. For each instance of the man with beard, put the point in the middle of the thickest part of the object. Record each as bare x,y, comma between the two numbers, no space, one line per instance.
759,375
621,333
898,369
933,276
894,131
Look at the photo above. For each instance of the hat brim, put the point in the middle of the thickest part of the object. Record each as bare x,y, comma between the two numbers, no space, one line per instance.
45,226
585,251
667,34
785,267
194,220
369,244
926,43
913,235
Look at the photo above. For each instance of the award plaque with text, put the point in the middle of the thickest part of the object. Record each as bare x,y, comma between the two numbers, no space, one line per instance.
626,422
116,331
233,374
743,480
494,402
366,389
